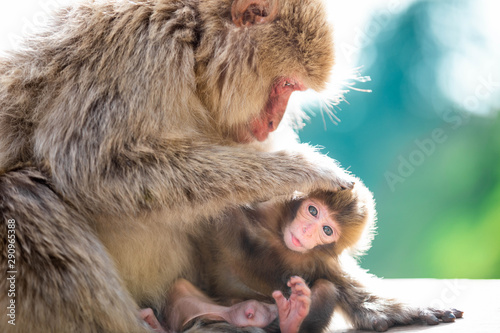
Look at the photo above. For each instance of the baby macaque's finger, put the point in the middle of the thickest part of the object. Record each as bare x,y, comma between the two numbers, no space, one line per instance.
431,319
299,286
301,289
281,301
295,279
448,317
305,300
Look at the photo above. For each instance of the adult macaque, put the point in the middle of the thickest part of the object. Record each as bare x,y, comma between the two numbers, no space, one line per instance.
248,253
121,111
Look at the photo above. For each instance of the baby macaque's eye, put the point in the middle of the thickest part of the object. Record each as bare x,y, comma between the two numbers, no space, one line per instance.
313,211
327,230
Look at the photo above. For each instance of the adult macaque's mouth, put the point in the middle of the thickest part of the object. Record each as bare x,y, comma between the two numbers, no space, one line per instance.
273,111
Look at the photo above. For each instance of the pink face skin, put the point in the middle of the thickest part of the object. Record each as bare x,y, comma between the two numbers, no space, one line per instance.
311,227
272,113
275,108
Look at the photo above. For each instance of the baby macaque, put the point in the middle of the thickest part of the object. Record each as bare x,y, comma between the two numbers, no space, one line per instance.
252,252
188,304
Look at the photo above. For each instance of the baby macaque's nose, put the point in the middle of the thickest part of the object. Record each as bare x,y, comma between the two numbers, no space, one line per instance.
307,230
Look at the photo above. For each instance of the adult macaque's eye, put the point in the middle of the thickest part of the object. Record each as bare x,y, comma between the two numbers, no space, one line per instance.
327,230
313,211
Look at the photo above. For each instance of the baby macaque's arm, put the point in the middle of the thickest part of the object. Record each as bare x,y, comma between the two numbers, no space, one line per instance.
294,310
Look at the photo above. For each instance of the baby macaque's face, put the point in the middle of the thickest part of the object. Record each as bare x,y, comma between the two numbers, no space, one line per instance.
311,227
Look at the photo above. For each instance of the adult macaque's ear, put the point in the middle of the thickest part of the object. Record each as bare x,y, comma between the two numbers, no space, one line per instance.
249,12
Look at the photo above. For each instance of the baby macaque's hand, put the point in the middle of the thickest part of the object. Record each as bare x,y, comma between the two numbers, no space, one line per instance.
294,310
149,317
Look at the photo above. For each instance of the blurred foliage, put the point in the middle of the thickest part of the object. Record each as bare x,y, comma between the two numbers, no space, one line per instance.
432,165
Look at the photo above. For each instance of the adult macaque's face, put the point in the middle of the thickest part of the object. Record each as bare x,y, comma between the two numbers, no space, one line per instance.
274,110
311,227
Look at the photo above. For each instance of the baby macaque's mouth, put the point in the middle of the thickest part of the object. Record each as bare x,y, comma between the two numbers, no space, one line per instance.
296,241
270,117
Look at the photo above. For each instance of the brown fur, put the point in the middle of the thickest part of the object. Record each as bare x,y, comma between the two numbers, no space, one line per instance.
57,263
242,256
124,110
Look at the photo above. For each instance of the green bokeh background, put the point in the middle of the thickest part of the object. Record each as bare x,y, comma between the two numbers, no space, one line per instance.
441,218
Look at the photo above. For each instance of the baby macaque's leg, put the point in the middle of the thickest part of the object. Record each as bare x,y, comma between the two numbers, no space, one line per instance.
188,303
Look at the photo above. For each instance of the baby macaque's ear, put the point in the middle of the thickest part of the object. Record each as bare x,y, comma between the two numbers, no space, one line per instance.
246,13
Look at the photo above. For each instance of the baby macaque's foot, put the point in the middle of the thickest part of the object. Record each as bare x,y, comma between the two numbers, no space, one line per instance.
294,310
433,316
383,322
